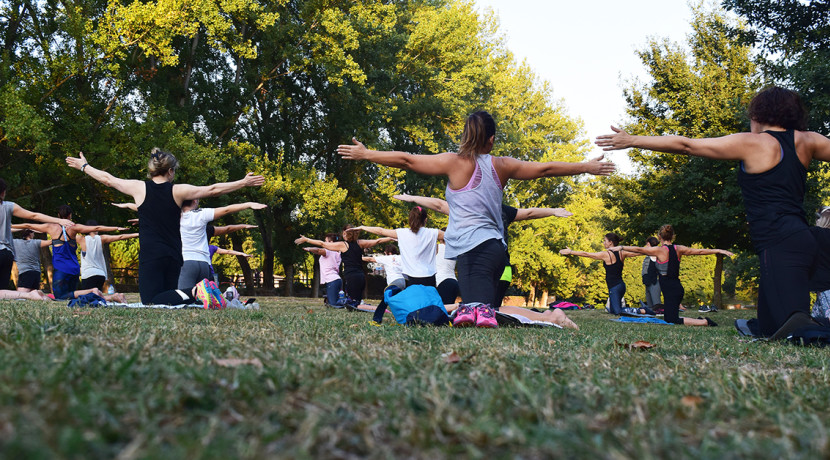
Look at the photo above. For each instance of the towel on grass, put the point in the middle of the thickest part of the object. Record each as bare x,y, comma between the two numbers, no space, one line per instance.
646,320
512,319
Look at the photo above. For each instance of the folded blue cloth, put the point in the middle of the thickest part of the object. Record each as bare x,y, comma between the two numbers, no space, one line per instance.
88,300
648,320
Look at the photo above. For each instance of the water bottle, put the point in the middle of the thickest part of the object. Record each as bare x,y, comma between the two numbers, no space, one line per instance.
111,290
341,298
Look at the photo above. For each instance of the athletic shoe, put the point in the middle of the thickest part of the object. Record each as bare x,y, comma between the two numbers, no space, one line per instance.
203,293
709,322
219,301
465,315
486,316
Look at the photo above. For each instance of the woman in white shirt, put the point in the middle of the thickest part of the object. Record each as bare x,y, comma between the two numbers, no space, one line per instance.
417,245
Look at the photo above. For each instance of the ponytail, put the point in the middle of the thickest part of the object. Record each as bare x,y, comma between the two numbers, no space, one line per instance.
478,129
417,218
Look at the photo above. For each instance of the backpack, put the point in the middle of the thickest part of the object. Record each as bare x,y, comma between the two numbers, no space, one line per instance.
416,305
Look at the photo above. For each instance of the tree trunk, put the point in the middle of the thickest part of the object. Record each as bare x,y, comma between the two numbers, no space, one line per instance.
717,296
288,290
247,273
105,248
544,301
46,258
531,296
315,278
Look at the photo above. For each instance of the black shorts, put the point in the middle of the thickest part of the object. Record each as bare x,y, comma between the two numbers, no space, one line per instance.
29,280
96,281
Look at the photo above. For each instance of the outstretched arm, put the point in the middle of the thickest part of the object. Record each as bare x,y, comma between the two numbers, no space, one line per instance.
539,213
687,251
231,252
640,251
431,165
111,238
366,244
42,228
339,246
316,251
96,228
436,204
225,229
820,145
183,192
603,256
377,231
732,147
511,168
17,211
234,208
134,188
131,206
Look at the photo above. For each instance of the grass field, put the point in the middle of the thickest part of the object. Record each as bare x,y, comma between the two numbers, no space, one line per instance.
315,382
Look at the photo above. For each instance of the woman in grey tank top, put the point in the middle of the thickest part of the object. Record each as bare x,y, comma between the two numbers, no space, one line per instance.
474,193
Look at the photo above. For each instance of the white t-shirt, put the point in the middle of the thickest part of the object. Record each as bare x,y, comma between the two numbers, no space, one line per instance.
417,251
194,237
92,260
392,267
445,267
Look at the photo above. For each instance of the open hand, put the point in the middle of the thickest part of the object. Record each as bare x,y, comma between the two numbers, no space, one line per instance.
253,180
598,167
619,140
76,163
300,240
354,151
566,251
561,212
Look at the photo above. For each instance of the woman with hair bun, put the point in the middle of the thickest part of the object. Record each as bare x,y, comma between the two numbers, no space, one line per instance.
159,204
772,173
668,266
474,193
418,247
612,261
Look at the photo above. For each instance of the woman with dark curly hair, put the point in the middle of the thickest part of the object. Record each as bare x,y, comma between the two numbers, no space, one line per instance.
774,157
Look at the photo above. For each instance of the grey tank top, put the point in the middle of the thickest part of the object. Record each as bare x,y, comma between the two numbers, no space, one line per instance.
27,255
6,209
475,211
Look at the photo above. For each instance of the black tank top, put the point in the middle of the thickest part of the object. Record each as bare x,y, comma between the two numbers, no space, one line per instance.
613,272
673,270
352,259
774,199
158,223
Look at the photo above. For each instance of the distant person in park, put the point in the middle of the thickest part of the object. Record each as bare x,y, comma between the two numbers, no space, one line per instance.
821,307
66,268
391,263
612,261
774,157
651,278
27,258
475,234
159,204
329,270
93,264
668,265
417,244
351,252
195,246
7,210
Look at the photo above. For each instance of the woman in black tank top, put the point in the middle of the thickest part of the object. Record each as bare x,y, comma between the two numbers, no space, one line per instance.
668,265
351,250
774,157
612,260
159,204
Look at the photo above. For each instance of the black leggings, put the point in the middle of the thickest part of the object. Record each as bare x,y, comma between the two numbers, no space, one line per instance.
479,271
448,290
355,284
789,270
96,281
174,297
156,276
673,293
425,281
6,261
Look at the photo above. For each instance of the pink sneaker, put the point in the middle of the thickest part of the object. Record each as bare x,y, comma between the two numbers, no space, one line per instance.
465,316
486,316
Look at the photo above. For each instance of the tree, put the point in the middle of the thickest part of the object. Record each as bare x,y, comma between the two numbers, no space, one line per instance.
695,93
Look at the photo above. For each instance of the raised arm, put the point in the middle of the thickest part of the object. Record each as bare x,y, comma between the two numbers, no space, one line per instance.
183,192
540,213
22,213
231,252
369,259
134,188
112,238
234,208
732,147
380,231
78,228
511,168
436,204
640,251
603,256
687,251
225,229
339,246
366,244
42,228
818,144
